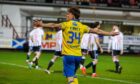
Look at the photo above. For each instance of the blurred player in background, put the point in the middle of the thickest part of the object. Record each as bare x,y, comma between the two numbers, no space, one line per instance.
72,32
57,50
93,46
84,48
36,37
116,44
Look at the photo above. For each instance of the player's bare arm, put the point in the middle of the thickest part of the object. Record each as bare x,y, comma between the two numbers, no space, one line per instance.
99,31
52,25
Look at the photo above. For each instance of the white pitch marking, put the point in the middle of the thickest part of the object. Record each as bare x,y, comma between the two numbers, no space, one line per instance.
109,79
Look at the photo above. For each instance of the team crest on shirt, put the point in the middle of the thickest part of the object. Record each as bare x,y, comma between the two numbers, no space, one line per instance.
74,23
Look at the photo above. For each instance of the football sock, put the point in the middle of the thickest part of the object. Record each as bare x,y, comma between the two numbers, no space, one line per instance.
89,65
36,62
117,65
82,60
28,57
50,65
94,68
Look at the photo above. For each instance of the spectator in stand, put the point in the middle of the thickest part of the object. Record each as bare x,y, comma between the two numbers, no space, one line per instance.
133,2
84,2
114,3
92,1
125,2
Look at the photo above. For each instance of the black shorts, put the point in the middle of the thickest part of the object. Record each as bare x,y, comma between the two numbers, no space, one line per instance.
58,53
115,52
84,51
93,54
36,48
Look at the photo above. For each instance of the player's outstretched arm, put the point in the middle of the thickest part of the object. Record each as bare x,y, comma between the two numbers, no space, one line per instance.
52,25
99,31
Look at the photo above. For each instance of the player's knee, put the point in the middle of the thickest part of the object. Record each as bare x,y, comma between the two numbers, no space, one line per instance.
83,57
28,53
38,54
52,60
94,62
115,59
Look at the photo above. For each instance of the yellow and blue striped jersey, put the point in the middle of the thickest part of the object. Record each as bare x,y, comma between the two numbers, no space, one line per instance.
72,35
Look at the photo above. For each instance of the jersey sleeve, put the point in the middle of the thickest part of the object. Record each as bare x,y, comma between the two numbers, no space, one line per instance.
63,25
86,29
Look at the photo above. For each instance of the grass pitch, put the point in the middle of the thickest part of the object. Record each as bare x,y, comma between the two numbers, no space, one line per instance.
14,70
